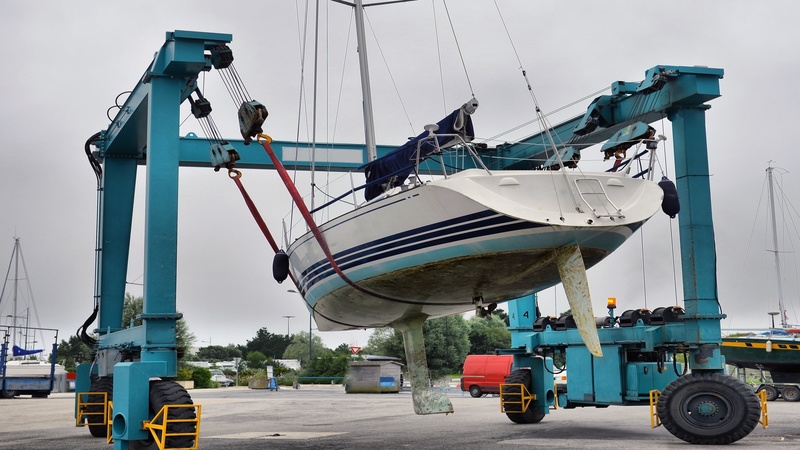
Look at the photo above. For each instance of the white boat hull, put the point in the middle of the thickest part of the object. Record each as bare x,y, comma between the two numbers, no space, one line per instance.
435,248
31,369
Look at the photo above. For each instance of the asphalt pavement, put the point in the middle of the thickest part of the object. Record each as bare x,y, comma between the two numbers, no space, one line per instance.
317,417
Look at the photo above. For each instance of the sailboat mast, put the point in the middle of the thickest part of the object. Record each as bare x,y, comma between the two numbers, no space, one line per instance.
781,307
14,302
366,92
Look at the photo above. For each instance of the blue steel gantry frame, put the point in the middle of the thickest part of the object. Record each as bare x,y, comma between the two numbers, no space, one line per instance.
146,131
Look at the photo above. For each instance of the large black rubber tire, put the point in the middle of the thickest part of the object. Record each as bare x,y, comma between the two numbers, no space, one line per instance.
708,408
162,393
791,394
7,394
106,385
772,393
475,391
532,414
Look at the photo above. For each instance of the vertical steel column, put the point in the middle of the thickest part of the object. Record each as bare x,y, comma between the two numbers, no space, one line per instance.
521,316
698,250
161,222
119,186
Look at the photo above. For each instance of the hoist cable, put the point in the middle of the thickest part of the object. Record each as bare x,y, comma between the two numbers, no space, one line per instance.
234,85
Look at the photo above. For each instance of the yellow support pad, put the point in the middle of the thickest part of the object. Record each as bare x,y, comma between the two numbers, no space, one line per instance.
81,414
555,391
762,398
522,398
109,437
160,423
655,421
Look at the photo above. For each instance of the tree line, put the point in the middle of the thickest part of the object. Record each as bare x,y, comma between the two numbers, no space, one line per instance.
448,340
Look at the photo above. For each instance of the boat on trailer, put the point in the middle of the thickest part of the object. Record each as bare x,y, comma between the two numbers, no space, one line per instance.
777,349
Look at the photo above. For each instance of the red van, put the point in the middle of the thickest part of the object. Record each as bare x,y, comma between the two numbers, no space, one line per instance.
483,374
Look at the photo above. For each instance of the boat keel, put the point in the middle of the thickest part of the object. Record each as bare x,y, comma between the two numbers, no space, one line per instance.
576,286
426,400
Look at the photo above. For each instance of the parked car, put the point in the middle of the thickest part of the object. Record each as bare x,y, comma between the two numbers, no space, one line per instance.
218,376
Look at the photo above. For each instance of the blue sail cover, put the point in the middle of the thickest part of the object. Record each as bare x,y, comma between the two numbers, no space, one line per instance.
19,351
392,169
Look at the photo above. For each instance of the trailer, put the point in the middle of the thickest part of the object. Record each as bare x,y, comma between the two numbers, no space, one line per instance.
25,376
784,385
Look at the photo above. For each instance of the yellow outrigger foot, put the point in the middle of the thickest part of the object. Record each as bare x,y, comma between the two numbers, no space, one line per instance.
762,398
161,426
655,421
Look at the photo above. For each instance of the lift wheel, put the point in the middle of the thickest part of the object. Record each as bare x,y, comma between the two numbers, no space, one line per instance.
521,399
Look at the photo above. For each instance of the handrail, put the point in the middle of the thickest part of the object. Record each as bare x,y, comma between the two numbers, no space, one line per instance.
464,144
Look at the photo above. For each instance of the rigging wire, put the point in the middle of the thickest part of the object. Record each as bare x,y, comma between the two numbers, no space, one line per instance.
786,210
458,47
756,216
32,302
341,82
439,57
757,219
665,172
325,215
301,36
314,104
545,126
389,72
644,272
557,110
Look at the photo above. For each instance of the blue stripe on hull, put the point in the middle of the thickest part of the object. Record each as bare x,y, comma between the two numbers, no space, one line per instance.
414,235
511,237
423,238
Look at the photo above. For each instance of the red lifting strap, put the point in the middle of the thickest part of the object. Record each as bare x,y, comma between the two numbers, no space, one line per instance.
235,175
301,206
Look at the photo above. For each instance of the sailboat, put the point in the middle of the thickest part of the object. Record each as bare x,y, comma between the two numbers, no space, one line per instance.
464,241
776,350
22,375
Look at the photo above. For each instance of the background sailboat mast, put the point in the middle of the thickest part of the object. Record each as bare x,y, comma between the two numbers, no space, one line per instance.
781,307
369,123
15,255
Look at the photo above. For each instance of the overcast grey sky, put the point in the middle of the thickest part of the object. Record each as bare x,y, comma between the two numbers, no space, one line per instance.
66,62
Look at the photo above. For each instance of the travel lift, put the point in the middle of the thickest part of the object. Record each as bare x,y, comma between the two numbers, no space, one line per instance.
116,398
